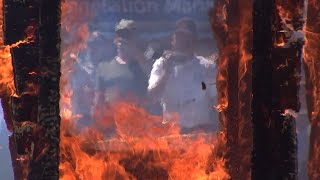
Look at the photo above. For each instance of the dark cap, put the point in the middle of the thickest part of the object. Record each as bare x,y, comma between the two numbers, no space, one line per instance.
125,28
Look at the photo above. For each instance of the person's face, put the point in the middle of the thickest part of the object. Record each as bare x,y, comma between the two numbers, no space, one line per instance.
182,41
124,47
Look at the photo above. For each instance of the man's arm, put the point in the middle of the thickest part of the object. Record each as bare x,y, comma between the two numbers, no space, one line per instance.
158,77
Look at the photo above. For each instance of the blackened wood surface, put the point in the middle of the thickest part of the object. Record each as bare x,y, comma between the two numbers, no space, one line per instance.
262,88
19,16
46,164
232,126
276,77
20,21
286,64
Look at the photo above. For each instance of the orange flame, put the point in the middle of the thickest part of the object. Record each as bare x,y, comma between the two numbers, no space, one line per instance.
141,148
6,68
244,84
239,46
220,28
312,65
289,12
7,85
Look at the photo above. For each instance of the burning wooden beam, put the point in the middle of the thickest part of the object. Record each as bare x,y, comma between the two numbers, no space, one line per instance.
312,67
277,51
20,19
34,29
231,24
6,80
45,160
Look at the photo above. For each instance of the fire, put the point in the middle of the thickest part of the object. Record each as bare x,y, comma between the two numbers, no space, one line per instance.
233,32
244,84
281,42
291,19
7,85
146,149
141,147
6,68
312,66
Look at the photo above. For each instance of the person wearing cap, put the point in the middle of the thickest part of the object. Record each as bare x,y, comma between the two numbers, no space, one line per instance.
185,83
124,77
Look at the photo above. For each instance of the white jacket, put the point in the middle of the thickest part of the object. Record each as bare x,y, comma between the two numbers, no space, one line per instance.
184,93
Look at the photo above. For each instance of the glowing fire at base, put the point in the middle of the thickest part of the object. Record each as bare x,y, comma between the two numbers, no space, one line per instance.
142,148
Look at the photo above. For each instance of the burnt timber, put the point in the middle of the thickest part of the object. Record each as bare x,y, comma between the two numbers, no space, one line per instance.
18,17
235,118
276,78
36,63
46,164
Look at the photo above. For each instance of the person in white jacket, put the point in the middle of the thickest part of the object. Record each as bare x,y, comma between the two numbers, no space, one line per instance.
185,83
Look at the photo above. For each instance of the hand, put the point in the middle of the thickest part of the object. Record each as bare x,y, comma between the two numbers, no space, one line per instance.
172,58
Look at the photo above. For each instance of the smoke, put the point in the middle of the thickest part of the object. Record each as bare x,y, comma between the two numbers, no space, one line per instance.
96,24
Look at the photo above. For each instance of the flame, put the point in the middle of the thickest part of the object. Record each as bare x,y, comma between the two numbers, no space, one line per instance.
290,15
281,42
6,68
289,10
7,86
220,28
239,46
141,146
244,84
312,66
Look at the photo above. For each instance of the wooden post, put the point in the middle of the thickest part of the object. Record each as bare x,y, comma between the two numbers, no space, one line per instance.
261,88
20,22
45,165
232,28
36,63
19,19
276,77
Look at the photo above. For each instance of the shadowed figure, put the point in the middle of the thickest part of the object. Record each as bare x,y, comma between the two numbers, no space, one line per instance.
184,83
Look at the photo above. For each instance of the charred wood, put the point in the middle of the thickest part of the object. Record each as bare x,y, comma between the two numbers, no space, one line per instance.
18,17
45,162
20,22
276,78
233,35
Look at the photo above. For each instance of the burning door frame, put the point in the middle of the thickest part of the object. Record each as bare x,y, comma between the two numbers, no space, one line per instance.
32,34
